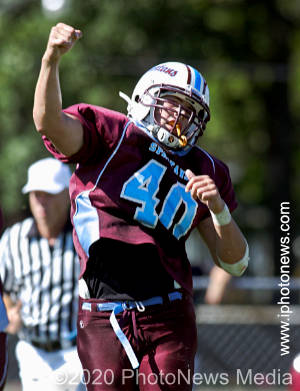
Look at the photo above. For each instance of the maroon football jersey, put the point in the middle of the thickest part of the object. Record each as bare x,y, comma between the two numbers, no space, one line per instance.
126,187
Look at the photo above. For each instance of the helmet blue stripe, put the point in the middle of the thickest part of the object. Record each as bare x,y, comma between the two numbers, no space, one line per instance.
198,79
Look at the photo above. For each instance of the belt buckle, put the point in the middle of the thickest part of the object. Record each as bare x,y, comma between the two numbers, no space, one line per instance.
51,346
48,346
126,306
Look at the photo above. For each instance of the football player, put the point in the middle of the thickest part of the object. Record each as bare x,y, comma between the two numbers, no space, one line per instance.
140,187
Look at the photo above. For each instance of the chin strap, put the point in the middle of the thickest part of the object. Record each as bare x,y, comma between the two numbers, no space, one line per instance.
163,136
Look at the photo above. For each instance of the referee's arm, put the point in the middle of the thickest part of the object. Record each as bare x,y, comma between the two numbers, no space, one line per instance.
13,310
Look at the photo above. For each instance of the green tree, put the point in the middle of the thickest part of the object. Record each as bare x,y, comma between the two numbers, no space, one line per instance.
247,50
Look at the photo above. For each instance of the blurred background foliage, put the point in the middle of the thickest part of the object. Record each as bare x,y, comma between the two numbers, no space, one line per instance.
248,51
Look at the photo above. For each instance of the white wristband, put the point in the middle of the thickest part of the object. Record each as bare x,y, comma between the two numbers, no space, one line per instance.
222,218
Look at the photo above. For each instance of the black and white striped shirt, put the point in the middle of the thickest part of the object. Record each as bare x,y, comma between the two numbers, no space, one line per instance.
44,278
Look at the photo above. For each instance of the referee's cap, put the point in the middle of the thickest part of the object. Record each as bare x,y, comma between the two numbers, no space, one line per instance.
48,175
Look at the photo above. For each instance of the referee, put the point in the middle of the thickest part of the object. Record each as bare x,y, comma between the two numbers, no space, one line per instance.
39,270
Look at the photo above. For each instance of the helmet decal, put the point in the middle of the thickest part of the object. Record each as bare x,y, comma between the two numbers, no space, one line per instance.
163,68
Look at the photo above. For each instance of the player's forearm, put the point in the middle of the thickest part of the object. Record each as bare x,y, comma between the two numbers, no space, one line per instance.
231,244
223,237
47,109
66,133
232,250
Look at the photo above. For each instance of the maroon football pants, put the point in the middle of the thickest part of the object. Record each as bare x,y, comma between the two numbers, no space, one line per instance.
163,338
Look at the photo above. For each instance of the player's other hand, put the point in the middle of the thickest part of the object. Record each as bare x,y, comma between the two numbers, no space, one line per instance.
202,187
61,39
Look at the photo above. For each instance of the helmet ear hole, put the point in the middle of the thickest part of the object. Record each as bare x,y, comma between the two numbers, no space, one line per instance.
202,114
137,98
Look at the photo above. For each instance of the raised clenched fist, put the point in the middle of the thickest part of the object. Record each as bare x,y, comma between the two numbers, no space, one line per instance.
61,39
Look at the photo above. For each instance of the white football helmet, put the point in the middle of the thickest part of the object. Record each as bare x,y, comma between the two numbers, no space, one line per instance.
181,84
